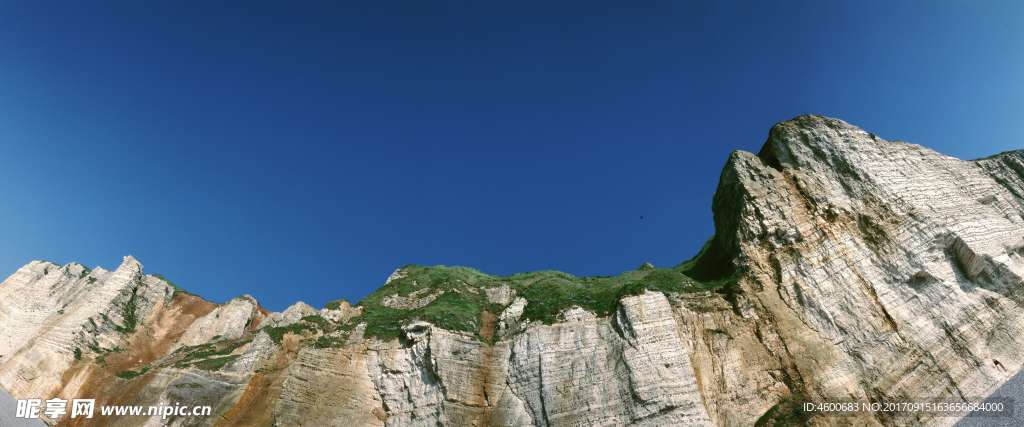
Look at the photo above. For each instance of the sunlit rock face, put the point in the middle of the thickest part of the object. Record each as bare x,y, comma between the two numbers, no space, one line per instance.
844,268
884,270
48,311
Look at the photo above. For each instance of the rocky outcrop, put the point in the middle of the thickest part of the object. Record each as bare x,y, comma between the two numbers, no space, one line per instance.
228,321
52,313
417,299
341,312
292,314
501,295
509,321
843,268
1008,170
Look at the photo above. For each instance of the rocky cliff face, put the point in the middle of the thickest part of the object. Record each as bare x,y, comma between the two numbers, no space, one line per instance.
844,267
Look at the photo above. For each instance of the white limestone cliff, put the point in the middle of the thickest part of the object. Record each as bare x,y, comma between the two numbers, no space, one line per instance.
846,267
228,321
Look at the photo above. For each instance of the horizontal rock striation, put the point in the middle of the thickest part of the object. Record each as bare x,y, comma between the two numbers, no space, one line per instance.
843,268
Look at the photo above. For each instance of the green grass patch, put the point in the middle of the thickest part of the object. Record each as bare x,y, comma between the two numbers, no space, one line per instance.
329,341
457,308
321,323
192,355
277,333
548,296
215,363
548,293
452,310
129,313
127,375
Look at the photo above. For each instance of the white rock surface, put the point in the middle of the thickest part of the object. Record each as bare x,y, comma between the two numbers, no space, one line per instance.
292,314
853,268
887,270
503,294
342,314
414,300
509,320
47,311
258,352
228,322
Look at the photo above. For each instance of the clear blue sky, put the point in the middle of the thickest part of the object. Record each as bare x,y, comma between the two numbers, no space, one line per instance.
302,153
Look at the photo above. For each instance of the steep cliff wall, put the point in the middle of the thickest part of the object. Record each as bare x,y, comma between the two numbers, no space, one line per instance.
844,267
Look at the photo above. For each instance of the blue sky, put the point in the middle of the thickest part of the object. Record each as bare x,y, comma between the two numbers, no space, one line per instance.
303,152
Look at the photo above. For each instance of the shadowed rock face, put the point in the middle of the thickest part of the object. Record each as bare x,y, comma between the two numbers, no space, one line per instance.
844,267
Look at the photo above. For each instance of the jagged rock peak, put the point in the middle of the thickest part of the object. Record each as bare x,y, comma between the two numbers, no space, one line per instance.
790,141
245,297
130,263
827,166
292,314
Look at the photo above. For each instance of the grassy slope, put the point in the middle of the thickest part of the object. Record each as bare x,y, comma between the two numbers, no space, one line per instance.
548,293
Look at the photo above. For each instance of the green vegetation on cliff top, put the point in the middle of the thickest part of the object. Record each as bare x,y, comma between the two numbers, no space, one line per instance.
461,302
455,298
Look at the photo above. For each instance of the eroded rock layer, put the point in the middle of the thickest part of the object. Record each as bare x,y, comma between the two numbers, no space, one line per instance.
844,268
